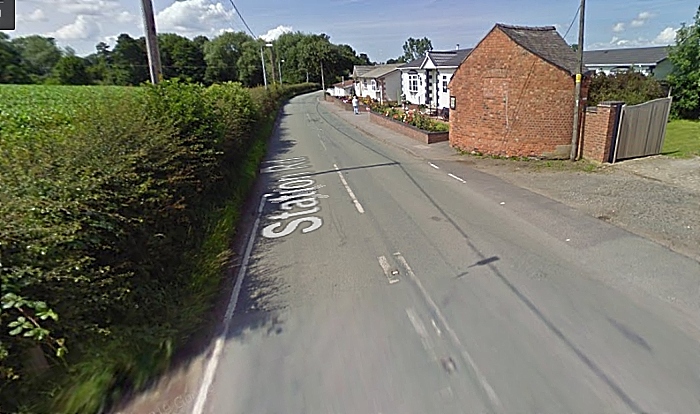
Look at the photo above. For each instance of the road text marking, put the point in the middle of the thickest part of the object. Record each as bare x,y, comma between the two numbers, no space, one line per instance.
349,190
390,274
456,178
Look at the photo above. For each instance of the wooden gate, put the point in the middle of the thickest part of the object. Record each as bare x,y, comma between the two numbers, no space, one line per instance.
641,129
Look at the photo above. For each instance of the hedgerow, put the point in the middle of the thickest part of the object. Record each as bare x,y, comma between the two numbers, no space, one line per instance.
117,210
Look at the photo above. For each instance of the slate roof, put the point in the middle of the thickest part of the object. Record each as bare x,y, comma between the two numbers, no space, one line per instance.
380,70
544,42
447,58
360,70
346,84
626,56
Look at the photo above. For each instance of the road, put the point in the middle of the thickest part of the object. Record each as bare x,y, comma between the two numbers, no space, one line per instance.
377,282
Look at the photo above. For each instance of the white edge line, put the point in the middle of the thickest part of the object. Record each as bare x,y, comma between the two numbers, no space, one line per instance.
357,204
465,354
213,363
434,166
456,178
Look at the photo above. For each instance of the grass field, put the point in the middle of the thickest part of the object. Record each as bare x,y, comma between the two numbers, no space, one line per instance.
682,139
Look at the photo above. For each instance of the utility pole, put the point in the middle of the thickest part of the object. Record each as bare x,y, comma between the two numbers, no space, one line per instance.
262,59
149,23
323,82
579,75
272,62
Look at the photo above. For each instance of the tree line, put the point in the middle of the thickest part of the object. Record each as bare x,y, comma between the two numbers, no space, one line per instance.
232,56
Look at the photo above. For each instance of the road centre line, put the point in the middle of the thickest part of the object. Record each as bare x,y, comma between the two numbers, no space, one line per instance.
465,354
212,364
386,267
349,190
456,178
434,166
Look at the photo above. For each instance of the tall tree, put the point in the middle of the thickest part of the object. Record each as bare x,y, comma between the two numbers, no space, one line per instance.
415,48
249,66
11,69
39,55
221,55
181,58
71,70
130,62
685,78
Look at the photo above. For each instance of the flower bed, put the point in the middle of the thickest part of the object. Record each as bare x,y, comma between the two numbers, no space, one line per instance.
427,137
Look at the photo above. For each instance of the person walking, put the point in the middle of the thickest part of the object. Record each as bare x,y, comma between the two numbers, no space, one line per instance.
355,105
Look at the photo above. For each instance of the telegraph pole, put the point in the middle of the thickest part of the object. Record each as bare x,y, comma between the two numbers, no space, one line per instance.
149,23
579,75
323,82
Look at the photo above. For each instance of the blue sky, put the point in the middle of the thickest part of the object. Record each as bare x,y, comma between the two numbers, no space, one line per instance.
378,28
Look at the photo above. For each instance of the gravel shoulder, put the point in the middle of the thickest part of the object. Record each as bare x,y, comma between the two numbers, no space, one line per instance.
655,197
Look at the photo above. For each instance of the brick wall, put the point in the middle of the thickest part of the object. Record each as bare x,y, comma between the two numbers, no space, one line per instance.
408,130
511,103
599,130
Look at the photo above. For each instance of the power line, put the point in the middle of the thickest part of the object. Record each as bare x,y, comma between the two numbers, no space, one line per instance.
572,21
242,19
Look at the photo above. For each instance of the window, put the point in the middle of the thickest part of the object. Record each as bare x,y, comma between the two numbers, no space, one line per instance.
444,85
374,85
413,83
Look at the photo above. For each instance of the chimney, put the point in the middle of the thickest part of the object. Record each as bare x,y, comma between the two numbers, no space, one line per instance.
457,46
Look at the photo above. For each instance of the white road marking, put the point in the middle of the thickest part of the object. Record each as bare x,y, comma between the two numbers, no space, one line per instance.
456,178
465,354
349,190
420,329
439,332
213,362
434,166
386,267
323,145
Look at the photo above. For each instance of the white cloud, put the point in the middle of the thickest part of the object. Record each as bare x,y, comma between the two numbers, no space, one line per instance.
275,33
126,17
666,37
641,19
83,28
84,7
619,27
193,16
37,15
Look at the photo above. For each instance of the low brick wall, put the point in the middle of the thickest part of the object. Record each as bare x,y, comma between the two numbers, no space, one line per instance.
409,130
599,129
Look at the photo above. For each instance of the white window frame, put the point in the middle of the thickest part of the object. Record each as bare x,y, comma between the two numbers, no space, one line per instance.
413,83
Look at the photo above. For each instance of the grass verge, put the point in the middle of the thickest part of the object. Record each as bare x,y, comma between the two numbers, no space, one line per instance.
682,139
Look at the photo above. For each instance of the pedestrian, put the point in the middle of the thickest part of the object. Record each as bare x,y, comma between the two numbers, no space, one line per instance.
355,105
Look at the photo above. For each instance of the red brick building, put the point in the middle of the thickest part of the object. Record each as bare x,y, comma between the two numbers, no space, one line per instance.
514,94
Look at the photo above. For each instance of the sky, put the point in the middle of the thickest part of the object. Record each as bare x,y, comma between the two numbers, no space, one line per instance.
378,28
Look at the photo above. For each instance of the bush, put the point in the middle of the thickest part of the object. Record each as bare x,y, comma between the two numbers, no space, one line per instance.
113,245
630,87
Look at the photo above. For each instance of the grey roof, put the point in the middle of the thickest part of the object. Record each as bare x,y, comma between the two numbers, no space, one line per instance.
544,42
360,70
445,58
380,71
626,56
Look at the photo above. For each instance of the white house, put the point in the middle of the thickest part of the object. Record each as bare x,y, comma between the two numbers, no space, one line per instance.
652,61
381,82
424,80
342,89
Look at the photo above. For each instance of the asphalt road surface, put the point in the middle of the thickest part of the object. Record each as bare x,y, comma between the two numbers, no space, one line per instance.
381,283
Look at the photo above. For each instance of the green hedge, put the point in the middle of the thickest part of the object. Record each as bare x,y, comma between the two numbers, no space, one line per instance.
116,232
